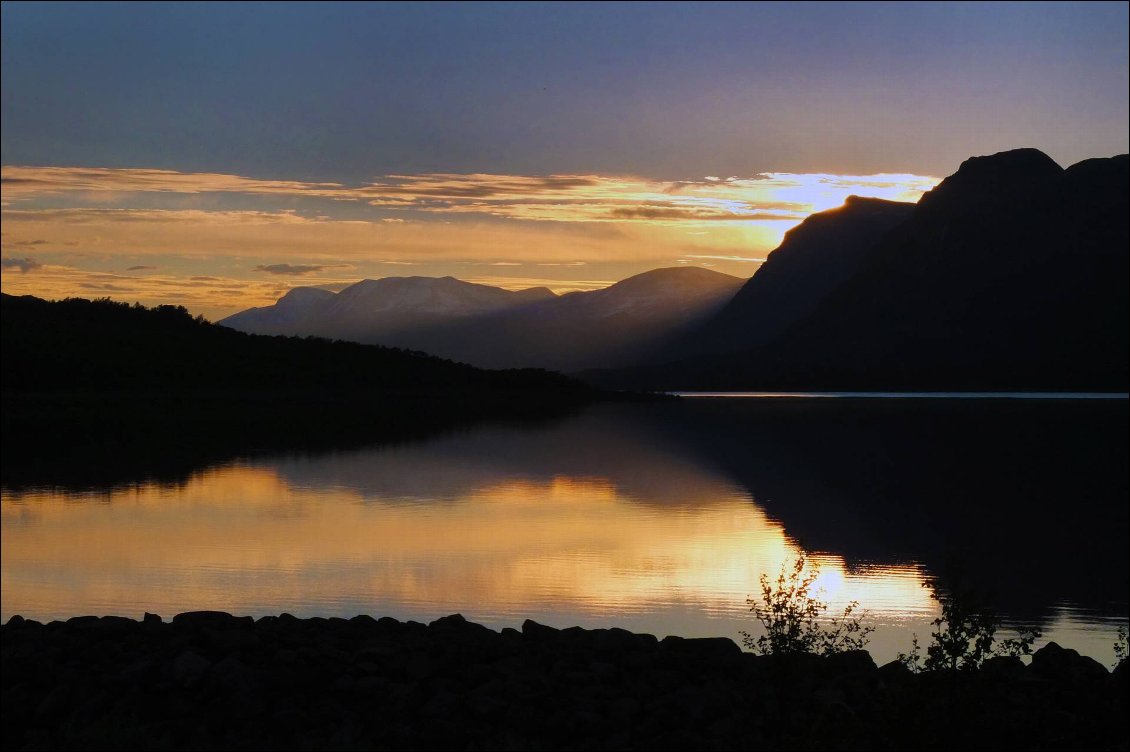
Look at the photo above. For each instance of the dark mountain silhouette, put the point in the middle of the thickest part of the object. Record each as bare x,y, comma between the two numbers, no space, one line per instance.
1010,274
814,259
620,325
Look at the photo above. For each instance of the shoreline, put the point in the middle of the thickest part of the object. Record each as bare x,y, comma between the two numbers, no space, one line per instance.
212,680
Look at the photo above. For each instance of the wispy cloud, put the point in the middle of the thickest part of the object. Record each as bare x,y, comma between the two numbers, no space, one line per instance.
558,286
768,197
23,264
739,259
290,268
22,182
139,268
86,216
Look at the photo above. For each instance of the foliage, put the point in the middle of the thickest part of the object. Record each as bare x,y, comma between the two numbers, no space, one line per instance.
965,633
792,616
913,659
1120,646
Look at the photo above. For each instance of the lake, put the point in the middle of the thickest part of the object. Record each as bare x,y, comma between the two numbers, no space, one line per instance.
654,517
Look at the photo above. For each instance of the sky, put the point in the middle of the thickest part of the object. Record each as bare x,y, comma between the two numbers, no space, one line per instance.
216,155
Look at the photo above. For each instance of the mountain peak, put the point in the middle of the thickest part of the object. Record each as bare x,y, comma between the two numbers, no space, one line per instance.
304,295
1013,163
677,272
993,177
854,200
532,294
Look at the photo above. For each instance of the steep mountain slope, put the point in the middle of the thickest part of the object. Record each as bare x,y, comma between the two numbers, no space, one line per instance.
815,258
493,328
1010,274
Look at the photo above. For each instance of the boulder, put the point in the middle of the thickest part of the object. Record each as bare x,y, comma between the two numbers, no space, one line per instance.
1066,665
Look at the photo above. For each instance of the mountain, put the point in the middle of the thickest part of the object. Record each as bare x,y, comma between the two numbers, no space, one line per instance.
489,327
814,259
373,309
620,325
1010,274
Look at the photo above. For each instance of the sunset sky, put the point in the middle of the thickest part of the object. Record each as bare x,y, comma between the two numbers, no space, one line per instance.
216,155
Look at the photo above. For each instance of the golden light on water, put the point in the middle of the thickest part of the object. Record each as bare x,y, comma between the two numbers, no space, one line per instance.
245,539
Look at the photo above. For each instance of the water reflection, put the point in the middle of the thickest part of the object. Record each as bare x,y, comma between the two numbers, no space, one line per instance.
654,519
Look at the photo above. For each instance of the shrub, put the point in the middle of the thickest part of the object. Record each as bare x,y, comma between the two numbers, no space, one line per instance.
1120,646
965,634
792,616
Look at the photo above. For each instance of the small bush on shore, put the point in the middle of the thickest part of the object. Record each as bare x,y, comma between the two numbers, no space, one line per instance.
965,632
792,616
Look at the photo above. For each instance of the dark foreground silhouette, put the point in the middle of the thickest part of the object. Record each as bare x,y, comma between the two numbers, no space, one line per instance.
211,680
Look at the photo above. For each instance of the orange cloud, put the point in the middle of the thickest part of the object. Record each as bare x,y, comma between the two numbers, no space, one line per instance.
782,197
80,223
21,183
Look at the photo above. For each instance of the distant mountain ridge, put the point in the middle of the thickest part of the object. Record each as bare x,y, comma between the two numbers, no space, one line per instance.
495,328
374,307
1010,274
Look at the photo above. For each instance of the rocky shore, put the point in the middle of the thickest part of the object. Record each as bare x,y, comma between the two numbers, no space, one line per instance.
209,680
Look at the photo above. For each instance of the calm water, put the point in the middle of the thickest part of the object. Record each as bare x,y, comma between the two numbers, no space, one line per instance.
657,518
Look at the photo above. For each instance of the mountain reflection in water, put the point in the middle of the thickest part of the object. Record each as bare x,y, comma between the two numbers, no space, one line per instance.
657,518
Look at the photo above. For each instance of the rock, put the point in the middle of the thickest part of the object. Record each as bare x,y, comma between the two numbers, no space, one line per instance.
455,627
702,648
82,622
1008,667
411,686
616,640
1066,665
531,630
212,619
231,639
188,667
850,662
895,672
1120,678
374,685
